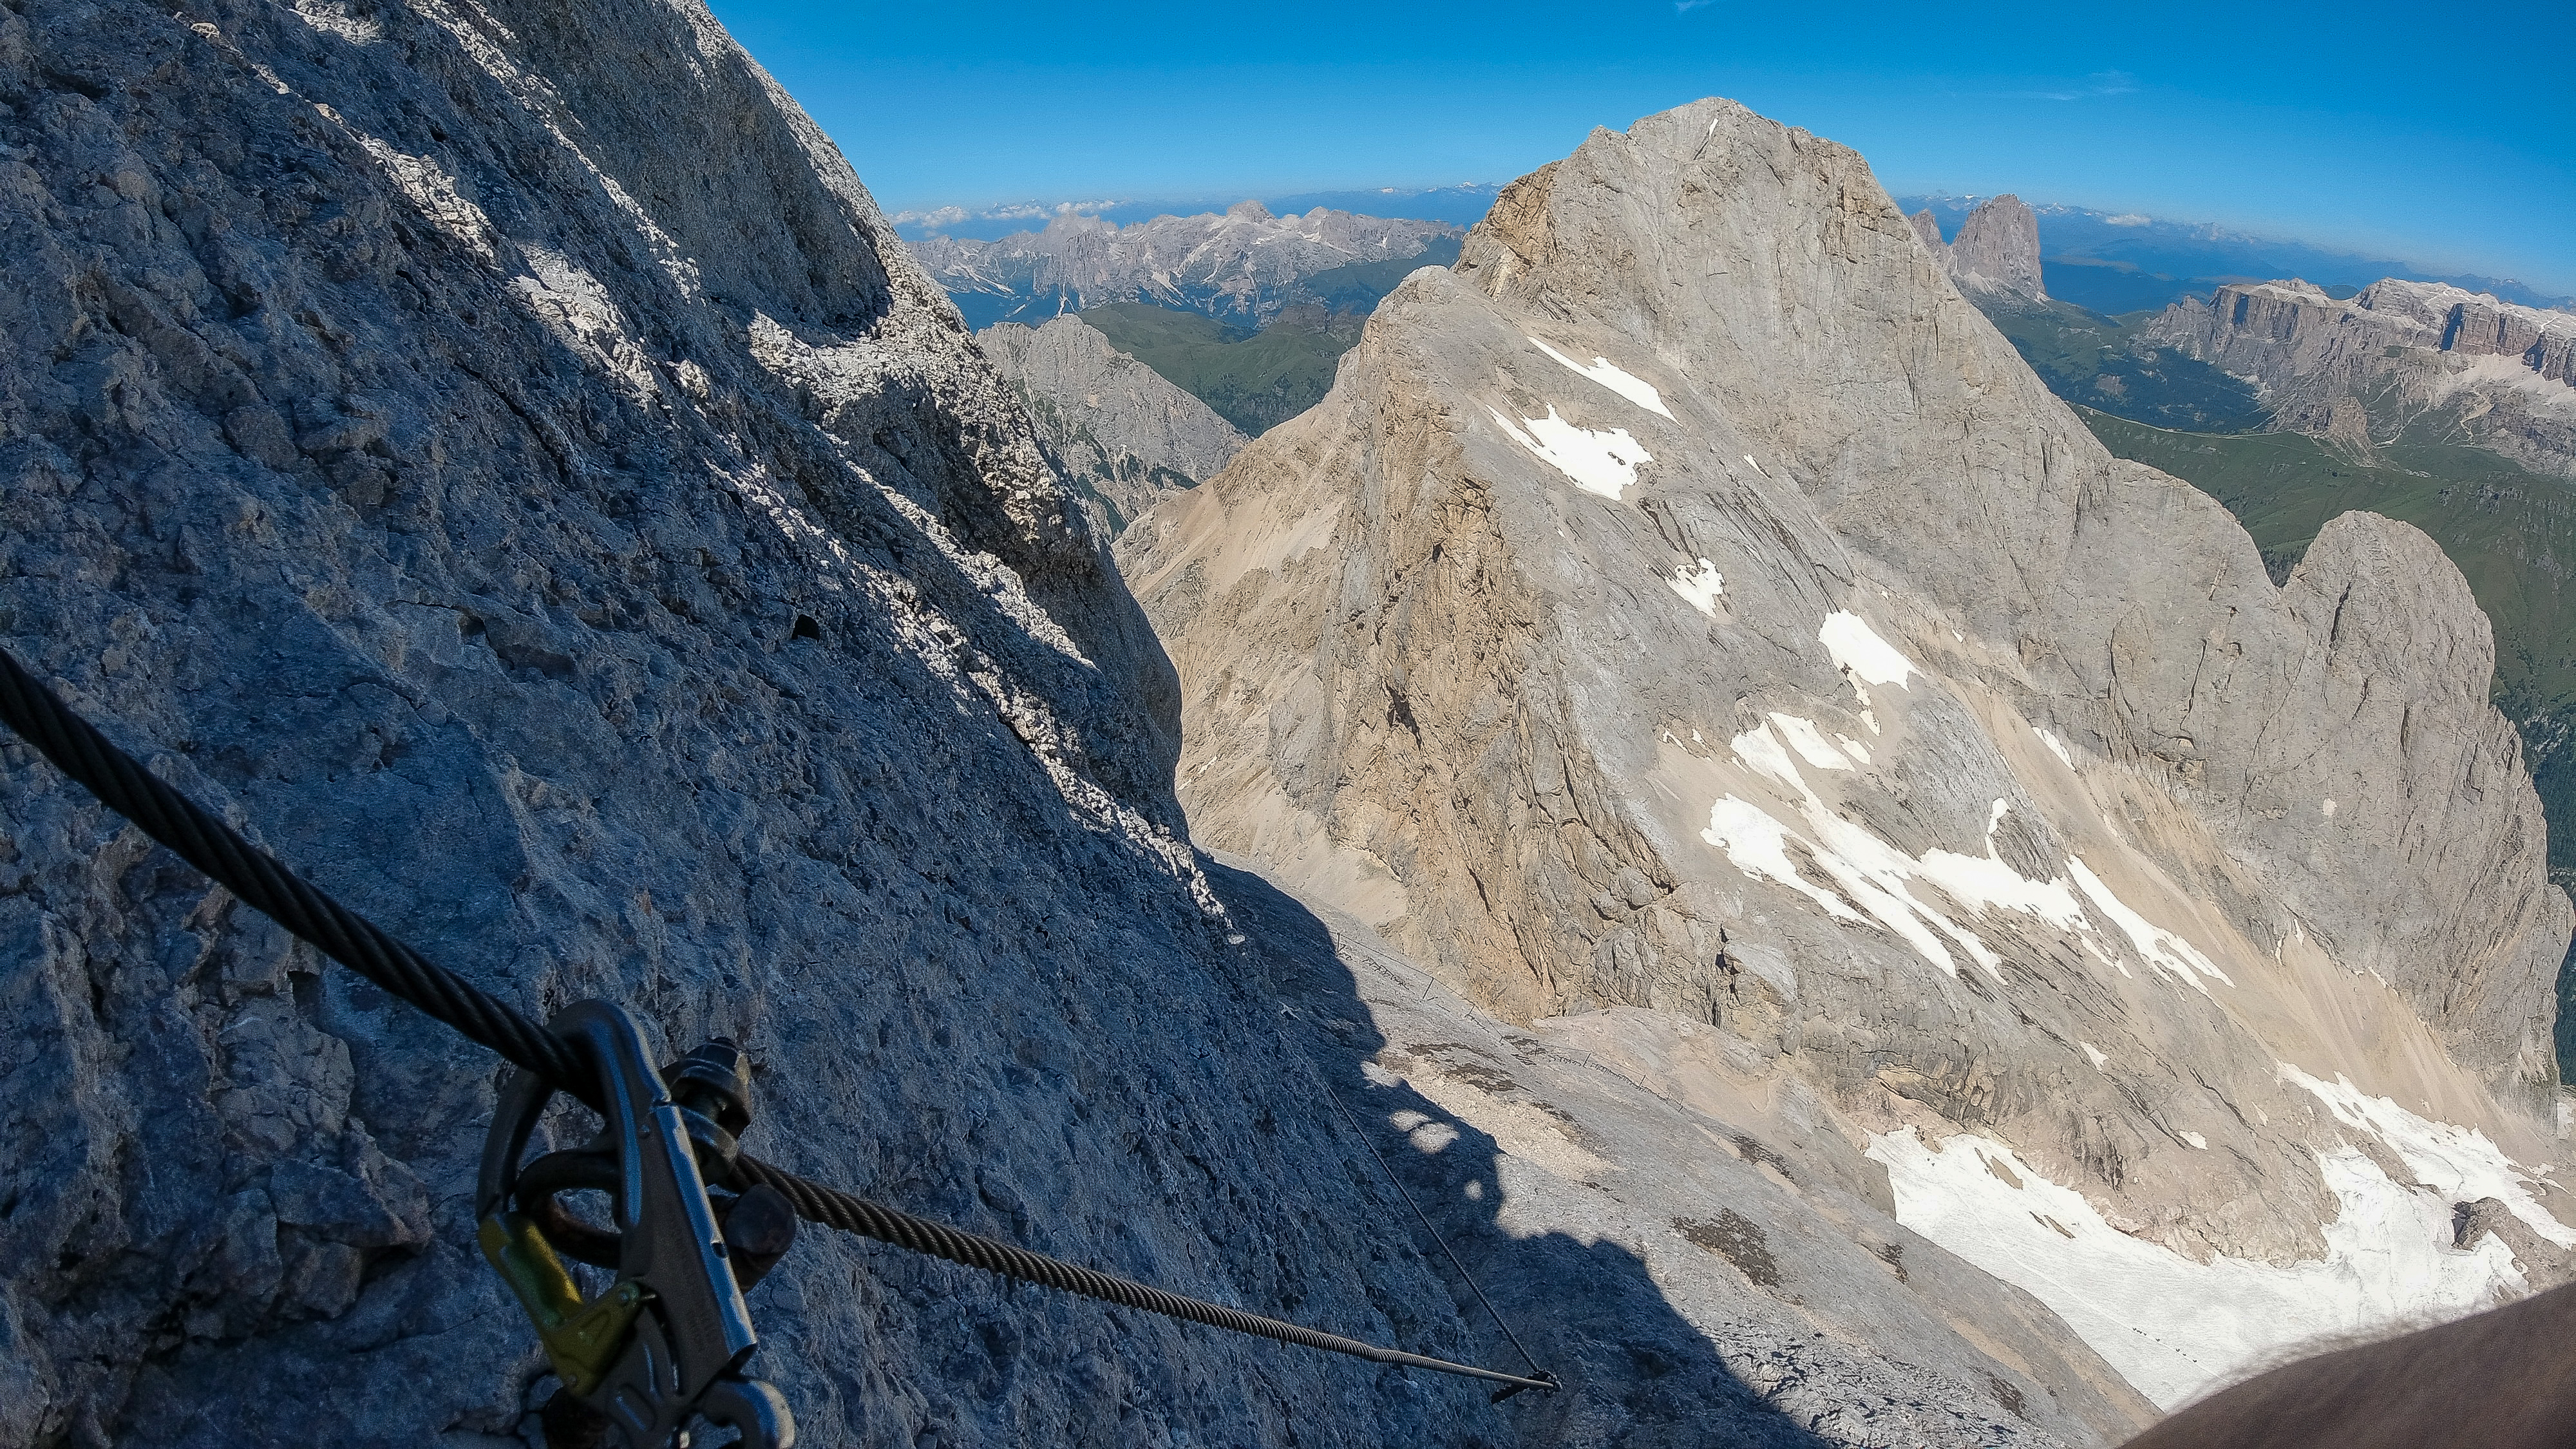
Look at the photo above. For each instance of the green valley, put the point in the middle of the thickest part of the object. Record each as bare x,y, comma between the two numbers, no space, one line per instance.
1253,379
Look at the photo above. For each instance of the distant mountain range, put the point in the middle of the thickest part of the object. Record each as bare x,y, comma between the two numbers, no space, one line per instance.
2126,262
1241,263
1462,206
2110,262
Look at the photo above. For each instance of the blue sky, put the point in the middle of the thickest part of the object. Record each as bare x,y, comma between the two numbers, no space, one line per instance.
2441,135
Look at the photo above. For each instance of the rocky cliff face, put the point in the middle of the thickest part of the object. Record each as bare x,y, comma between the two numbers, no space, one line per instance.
2418,358
1237,263
1996,253
1691,605
499,456
1119,431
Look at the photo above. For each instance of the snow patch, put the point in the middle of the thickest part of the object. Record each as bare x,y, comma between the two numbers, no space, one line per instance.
2194,1140
1859,652
1809,742
1608,374
2173,1327
2162,949
2096,1054
1879,880
2458,1162
1698,589
2057,747
1599,462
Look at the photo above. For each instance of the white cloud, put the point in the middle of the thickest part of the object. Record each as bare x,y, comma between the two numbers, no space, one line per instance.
2099,83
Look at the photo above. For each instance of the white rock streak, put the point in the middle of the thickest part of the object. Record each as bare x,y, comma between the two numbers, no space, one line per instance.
1608,374
2172,1326
1598,462
1699,588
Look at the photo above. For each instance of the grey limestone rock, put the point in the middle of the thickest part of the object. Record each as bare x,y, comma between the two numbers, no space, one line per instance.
1119,430
498,456
1995,256
1690,603
1786,1302
2401,357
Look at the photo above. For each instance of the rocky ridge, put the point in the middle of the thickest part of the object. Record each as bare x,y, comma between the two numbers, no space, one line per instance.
1239,263
1118,430
1692,605
2400,358
1995,256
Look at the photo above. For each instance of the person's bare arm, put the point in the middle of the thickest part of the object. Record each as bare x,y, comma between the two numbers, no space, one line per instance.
2504,1379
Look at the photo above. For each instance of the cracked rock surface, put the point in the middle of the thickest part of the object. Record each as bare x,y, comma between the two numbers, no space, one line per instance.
498,457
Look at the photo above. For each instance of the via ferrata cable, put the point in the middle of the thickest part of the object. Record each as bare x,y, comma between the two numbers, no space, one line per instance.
161,811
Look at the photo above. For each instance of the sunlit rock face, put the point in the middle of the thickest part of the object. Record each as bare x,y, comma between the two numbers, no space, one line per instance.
2423,361
1123,436
1690,603
1995,256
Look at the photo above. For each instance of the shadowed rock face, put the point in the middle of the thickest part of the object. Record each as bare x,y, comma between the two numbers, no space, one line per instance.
1781,1304
1691,603
2443,363
500,458
1120,432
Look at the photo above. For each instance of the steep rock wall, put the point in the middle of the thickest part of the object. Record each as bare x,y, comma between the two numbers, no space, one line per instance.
2399,358
1121,432
500,458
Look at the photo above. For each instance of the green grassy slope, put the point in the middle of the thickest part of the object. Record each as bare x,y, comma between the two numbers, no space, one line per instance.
1259,379
1254,380
2101,362
1360,286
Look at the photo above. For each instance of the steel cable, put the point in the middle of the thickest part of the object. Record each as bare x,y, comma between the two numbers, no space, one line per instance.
256,878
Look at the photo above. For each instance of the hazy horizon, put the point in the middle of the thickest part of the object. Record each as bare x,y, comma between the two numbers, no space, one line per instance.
2291,122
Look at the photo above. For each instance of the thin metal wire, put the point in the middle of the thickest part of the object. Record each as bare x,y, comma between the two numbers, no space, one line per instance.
1425,1218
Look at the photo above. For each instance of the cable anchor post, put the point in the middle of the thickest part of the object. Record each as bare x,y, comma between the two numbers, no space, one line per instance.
666,1343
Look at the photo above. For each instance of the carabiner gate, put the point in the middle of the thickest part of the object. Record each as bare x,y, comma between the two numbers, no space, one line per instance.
666,1342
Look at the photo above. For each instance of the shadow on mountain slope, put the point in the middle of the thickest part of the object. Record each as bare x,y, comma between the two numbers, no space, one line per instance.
1636,1372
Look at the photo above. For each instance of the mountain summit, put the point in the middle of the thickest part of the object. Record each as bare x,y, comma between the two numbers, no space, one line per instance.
1996,253
1691,605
